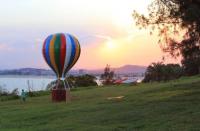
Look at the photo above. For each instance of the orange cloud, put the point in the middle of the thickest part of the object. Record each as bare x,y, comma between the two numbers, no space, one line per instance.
138,50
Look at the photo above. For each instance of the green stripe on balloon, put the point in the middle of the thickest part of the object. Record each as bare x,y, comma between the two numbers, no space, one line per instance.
57,46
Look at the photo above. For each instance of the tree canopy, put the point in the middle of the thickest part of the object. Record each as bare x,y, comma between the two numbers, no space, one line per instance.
174,19
161,72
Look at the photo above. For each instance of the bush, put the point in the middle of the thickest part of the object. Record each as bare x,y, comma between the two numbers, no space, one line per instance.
38,93
3,91
5,95
82,81
74,81
9,97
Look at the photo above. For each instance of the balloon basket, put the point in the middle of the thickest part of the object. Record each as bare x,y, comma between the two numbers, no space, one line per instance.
59,95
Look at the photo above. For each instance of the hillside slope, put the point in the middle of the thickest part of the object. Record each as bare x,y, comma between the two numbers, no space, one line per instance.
173,106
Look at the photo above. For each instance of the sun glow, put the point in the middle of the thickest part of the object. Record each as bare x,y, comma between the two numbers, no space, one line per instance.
110,45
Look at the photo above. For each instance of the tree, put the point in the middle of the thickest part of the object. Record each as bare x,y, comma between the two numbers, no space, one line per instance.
107,76
161,72
174,18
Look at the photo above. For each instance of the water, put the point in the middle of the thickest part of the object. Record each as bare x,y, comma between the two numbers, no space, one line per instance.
21,82
38,83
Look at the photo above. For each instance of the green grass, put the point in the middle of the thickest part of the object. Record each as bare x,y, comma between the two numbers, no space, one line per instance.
171,106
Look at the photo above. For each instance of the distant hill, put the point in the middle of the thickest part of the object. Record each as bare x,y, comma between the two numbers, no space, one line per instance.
126,69
27,71
130,69
32,71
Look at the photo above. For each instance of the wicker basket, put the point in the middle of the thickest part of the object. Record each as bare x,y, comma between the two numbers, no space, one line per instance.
58,95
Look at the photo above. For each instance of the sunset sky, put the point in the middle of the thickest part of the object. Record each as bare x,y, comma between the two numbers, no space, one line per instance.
104,28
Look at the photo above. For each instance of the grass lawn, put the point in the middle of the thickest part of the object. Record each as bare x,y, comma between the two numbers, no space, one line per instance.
171,106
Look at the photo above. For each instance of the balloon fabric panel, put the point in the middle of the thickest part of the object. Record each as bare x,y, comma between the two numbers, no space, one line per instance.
62,52
77,53
52,54
72,55
43,50
68,52
46,52
57,45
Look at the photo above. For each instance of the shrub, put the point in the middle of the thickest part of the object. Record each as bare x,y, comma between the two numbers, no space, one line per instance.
81,81
75,81
5,95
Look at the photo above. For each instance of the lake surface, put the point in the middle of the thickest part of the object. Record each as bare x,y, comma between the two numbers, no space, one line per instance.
39,83
22,82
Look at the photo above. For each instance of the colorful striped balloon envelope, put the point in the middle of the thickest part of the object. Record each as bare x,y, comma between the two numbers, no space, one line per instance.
61,52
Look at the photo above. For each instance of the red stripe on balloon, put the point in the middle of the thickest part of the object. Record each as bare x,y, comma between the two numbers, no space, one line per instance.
43,50
62,51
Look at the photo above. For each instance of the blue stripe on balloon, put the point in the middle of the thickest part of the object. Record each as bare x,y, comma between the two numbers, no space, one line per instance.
47,49
73,51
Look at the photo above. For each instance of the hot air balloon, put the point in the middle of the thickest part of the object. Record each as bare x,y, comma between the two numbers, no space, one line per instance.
61,52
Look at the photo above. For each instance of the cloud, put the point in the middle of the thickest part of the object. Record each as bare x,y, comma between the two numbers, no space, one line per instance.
103,37
91,38
97,36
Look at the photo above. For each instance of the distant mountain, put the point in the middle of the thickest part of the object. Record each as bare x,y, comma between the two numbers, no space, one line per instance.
27,71
126,69
33,71
130,69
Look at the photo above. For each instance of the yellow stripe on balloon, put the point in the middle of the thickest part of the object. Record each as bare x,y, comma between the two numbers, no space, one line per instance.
78,50
52,54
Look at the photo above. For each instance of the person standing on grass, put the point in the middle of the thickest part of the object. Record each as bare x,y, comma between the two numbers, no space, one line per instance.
23,95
